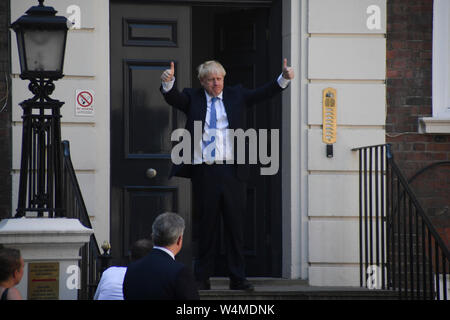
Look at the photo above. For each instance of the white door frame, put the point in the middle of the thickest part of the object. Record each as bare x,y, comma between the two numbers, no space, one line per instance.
294,144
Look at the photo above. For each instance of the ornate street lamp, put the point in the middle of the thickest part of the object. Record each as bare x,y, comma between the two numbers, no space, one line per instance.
41,41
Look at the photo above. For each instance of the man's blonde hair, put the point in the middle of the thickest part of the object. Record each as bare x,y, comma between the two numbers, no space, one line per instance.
210,67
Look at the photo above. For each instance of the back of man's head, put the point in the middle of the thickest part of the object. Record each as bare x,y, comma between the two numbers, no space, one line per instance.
167,228
140,249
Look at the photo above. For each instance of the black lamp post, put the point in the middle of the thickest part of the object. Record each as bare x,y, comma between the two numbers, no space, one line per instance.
41,41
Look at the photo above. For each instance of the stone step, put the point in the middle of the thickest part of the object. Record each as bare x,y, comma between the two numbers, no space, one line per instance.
223,282
286,289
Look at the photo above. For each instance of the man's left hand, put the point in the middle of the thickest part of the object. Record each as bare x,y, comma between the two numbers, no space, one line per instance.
288,72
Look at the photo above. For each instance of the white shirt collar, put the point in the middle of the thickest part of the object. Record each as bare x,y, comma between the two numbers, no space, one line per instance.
170,253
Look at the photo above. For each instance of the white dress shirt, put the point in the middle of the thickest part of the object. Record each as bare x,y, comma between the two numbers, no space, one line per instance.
223,139
110,285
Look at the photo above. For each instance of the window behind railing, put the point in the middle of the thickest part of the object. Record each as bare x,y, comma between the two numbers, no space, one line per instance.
399,247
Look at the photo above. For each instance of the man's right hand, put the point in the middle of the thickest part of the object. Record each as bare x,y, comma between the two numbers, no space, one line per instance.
168,74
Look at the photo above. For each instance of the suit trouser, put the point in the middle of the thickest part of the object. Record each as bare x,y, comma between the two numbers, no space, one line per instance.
218,191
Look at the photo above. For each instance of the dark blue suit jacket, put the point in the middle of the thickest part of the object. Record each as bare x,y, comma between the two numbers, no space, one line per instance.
158,277
235,99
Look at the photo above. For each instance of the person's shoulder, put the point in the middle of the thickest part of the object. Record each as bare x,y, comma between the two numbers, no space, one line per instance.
114,270
14,294
236,88
168,264
181,268
193,91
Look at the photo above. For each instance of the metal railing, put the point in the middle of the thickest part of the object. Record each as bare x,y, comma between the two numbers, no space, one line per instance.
76,208
399,247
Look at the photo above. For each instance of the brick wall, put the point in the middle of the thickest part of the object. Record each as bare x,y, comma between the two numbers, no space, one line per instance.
409,96
5,114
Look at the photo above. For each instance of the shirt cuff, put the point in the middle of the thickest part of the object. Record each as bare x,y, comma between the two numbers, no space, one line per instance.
282,82
167,86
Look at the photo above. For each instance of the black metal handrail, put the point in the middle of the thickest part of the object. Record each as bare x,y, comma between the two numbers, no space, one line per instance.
76,208
399,247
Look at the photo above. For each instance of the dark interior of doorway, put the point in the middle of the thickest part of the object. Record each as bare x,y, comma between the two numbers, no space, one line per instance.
203,35
205,38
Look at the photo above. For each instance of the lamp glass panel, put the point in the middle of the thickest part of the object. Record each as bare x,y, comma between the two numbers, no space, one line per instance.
20,48
44,49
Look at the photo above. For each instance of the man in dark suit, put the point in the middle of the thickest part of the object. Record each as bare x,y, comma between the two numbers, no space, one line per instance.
158,276
218,179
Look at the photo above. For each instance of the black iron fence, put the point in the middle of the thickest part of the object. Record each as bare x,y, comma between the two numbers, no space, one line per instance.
76,208
399,247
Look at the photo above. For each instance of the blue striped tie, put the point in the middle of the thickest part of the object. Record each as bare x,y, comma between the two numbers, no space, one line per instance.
212,125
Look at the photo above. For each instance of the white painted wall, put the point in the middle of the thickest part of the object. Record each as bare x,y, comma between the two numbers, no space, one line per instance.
346,51
86,66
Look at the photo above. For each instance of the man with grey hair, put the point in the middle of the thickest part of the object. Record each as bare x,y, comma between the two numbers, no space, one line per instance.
158,276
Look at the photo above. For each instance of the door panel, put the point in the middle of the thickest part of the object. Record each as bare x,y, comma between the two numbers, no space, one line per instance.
144,40
145,111
144,204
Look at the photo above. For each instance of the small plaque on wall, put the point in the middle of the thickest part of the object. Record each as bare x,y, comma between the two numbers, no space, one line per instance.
43,281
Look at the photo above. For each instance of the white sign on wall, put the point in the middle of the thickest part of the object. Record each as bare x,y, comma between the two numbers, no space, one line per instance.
84,102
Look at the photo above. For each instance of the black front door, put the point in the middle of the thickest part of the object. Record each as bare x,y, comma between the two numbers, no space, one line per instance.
144,39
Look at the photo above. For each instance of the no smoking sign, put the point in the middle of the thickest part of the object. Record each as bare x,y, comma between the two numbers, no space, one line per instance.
84,102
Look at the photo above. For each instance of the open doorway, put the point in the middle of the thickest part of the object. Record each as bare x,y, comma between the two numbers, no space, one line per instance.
145,37
247,41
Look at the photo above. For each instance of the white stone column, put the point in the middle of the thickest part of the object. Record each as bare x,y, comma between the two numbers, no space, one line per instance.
54,241
294,144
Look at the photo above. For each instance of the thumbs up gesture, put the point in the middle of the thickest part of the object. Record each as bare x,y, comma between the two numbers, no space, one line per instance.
168,74
288,72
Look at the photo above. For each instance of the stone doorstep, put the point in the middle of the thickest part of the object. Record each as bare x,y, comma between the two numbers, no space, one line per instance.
220,282
278,288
